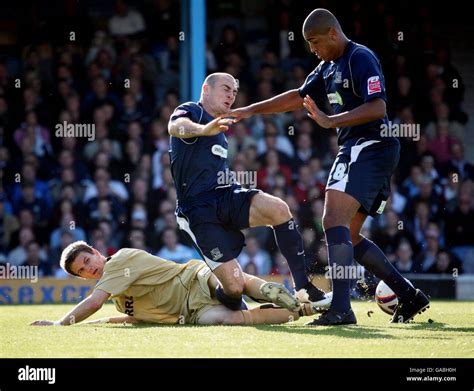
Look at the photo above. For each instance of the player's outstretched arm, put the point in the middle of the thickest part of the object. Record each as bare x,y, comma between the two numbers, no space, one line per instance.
288,101
114,319
83,310
185,128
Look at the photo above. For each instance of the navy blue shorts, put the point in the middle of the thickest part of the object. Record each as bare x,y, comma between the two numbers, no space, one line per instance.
215,224
363,169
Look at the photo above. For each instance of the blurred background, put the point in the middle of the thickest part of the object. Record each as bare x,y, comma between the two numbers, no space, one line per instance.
125,65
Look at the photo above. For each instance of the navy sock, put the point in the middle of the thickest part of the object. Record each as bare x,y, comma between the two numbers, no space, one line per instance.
340,254
369,255
232,303
290,242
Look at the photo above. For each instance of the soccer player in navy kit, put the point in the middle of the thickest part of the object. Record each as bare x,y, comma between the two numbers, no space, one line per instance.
214,213
350,77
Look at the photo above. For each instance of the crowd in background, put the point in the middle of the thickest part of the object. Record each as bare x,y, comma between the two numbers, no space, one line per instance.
116,65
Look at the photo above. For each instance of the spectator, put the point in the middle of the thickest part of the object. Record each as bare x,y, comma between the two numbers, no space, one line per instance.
240,141
427,257
460,231
445,264
266,176
404,261
8,225
459,164
19,254
254,259
174,251
125,21
37,257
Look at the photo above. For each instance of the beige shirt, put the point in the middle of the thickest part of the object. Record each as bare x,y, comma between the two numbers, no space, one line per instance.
147,287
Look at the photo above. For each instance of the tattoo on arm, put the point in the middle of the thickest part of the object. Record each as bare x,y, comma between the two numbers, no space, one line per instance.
184,128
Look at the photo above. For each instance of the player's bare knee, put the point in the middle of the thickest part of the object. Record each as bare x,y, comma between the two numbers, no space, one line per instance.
234,290
280,213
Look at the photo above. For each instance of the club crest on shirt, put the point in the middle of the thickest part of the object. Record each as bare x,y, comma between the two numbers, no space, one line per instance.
373,85
216,254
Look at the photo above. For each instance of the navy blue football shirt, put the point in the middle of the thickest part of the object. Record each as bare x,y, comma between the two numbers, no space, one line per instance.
350,81
196,162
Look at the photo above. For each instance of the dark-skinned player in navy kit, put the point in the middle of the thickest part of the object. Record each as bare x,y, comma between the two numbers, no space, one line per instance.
214,213
350,77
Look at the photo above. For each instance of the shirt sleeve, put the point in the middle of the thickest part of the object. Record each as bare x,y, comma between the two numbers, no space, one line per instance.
367,77
117,278
186,110
313,85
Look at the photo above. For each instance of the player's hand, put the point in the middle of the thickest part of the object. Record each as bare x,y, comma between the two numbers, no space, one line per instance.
239,114
216,126
315,113
42,323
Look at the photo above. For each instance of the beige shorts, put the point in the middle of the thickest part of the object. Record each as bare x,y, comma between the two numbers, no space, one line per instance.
199,298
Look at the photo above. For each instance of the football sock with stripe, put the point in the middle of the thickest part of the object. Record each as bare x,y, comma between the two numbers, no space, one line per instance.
290,242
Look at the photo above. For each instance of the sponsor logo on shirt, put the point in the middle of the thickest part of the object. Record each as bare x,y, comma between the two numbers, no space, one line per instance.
129,305
335,98
373,85
219,151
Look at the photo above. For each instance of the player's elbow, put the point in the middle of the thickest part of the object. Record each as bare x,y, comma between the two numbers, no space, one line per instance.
95,304
171,129
379,108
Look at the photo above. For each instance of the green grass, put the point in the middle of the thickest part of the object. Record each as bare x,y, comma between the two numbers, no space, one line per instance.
451,334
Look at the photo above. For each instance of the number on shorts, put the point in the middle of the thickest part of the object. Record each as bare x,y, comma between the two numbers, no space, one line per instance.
339,171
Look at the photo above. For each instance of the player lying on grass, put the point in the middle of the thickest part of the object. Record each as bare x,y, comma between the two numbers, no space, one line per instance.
150,289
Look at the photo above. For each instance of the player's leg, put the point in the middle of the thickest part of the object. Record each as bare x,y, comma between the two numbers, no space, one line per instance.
369,255
232,284
219,248
267,314
339,210
266,209
262,291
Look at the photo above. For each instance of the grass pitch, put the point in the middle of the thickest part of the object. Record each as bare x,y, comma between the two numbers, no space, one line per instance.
446,330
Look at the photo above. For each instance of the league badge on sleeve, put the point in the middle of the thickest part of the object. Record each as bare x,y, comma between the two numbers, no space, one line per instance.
179,113
373,85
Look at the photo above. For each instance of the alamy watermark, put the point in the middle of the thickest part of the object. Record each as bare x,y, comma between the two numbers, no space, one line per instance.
66,129
344,272
244,178
37,374
21,272
400,130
